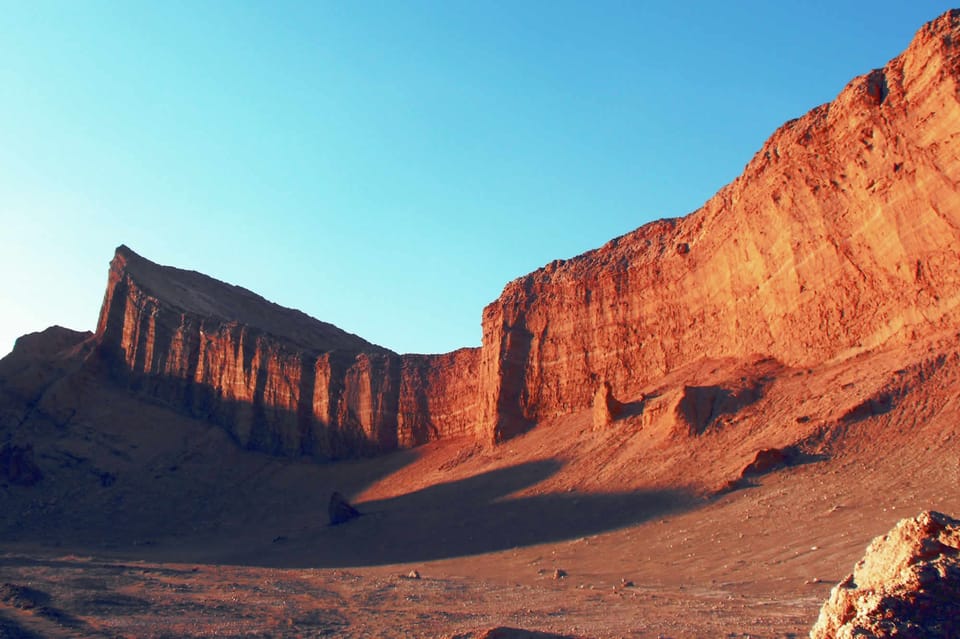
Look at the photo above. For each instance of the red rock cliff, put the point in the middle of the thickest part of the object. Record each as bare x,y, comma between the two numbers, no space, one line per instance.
278,380
840,235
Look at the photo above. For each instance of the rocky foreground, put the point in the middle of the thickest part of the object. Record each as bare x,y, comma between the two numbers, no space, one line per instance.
907,585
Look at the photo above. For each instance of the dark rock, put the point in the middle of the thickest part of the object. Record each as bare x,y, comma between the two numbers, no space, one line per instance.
22,597
340,510
17,465
769,459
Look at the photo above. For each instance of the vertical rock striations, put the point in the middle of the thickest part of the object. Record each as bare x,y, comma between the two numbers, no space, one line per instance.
841,235
278,380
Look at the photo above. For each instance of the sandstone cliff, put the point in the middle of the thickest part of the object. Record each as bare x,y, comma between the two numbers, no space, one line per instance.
278,380
842,234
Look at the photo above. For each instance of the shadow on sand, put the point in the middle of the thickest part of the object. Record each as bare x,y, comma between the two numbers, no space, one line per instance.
468,517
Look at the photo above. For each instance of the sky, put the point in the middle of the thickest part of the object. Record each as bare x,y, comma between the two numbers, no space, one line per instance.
386,166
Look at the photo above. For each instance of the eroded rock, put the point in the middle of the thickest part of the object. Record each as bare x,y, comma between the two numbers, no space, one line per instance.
769,459
606,408
907,585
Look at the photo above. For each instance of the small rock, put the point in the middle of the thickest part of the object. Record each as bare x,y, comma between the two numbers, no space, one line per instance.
17,465
340,510
413,574
559,573
769,459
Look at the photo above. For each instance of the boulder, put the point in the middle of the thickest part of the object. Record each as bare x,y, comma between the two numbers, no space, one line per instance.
907,585
340,510
769,459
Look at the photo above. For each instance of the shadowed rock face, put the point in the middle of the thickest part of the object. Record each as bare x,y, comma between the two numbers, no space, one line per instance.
907,585
277,379
841,235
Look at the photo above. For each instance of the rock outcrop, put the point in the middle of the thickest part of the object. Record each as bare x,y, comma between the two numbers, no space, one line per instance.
340,511
842,234
907,585
275,378
606,408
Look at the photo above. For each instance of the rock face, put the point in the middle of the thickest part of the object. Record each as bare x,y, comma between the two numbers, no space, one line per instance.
907,585
842,234
278,380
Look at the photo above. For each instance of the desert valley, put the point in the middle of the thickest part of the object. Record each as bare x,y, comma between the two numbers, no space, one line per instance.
694,430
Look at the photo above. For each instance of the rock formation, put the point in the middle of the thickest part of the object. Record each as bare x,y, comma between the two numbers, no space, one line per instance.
339,510
278,380
907,585
605,407
841,235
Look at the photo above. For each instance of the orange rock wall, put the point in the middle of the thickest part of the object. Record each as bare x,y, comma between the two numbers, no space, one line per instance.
841,235
275,396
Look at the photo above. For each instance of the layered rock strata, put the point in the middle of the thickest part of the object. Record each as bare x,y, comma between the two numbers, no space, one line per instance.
278,380
841,235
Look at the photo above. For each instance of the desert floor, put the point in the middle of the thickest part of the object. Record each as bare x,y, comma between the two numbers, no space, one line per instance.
755,562
192,537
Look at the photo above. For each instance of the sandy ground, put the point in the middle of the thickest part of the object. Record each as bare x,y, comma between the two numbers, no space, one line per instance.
757,562
197,539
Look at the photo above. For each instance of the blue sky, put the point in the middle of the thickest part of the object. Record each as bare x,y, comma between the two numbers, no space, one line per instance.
385,166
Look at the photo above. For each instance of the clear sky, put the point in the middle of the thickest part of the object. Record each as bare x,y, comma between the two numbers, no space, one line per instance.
386,166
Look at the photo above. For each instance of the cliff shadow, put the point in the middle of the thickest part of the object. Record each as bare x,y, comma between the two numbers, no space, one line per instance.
471,516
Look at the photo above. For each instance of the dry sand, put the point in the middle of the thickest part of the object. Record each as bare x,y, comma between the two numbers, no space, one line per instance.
197,538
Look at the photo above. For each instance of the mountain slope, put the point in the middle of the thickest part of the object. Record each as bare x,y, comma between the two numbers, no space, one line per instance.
841,235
